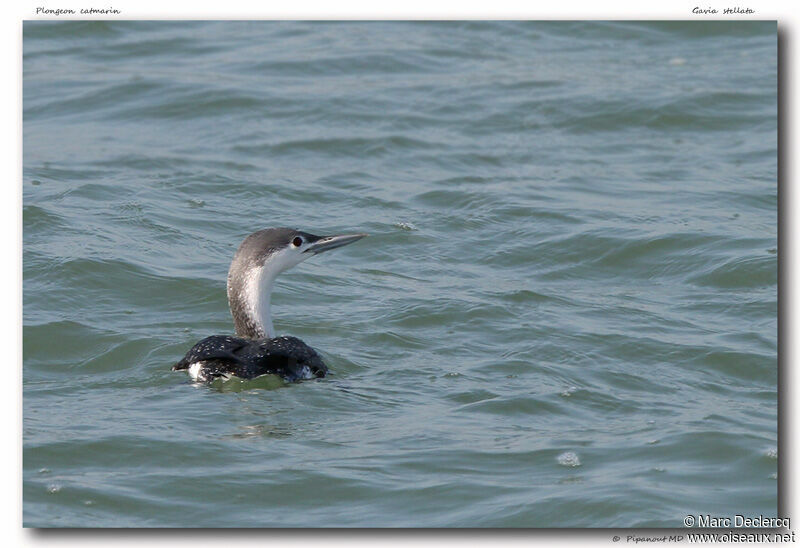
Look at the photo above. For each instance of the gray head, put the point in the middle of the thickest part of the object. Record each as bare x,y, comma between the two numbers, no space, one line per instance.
258,261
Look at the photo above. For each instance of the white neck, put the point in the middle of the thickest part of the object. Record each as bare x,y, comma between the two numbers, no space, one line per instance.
250,289
258,291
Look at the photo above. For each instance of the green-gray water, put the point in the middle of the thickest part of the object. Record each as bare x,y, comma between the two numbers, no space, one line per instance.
564,316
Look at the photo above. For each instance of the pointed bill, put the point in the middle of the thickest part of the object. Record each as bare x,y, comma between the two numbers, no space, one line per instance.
332,242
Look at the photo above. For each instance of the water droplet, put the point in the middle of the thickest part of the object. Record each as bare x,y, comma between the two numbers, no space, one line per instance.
53,488
569,391
569,459
405,226
772,453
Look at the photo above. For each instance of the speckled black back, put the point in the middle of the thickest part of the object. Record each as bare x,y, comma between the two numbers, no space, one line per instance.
220,355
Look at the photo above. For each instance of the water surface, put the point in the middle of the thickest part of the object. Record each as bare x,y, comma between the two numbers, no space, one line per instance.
564,316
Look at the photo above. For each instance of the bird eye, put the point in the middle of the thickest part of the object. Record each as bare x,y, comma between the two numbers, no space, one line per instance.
297,242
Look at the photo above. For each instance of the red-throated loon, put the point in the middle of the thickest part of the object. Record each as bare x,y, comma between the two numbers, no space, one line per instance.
256,350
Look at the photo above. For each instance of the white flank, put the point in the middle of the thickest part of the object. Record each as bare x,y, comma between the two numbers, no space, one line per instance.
194,371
